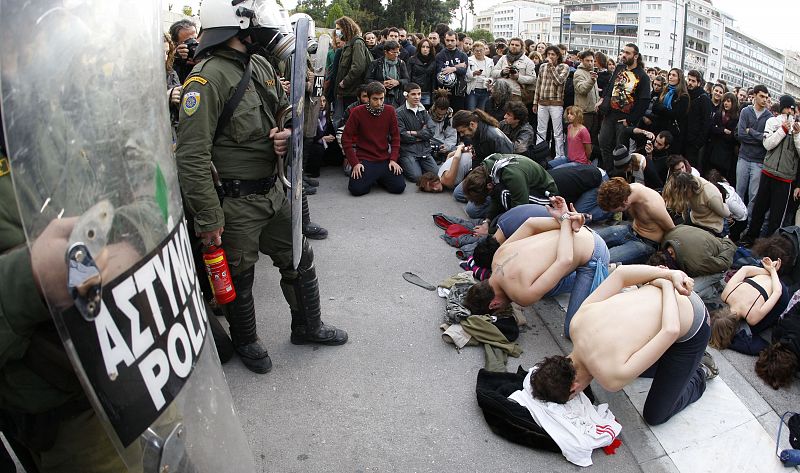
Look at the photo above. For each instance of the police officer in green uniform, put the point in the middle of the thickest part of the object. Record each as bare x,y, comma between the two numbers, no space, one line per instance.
254,214
43,408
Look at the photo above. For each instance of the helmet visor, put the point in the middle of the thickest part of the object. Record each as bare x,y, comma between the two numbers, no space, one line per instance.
267,14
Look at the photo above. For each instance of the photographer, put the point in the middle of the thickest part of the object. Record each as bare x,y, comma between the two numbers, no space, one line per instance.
184,36
516,69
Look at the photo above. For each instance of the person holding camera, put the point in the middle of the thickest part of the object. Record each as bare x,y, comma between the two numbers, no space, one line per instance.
478,71
516,68
782,141
184,36
548,99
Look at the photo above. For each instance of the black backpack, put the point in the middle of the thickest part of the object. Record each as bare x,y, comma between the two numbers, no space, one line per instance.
569,90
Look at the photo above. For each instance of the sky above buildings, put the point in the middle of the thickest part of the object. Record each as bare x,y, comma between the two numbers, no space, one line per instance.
775,22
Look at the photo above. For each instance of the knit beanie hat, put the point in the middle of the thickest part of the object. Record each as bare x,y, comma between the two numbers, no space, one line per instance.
786,101
621,156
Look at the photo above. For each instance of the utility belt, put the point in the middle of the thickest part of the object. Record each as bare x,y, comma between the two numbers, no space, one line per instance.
244,187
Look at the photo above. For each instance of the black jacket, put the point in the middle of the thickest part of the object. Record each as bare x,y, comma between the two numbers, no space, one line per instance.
422,74
698,121
489,140
673,120
508,418
633,103
394,97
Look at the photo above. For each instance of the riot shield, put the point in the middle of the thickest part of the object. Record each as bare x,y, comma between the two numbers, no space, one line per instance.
88,138
320,60
297,96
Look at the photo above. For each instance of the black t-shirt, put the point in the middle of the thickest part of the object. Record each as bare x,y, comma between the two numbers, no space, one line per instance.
573,181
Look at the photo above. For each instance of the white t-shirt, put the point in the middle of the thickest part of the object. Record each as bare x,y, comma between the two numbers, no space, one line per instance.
577,426
463,167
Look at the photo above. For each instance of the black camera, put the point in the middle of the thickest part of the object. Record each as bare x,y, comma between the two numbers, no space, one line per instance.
192,44
512,70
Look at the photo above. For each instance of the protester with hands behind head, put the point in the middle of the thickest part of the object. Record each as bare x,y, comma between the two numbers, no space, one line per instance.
546,256
659,330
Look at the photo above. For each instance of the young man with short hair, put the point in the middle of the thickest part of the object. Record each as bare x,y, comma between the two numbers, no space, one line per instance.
633,242
504,181
416,131
451,71
660,330
782,142
658,151
750,133
367,148
587,94
624,102
516,127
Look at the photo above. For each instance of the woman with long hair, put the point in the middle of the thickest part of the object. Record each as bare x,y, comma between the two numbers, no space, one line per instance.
353,63
699,201
753,295
173,82
672,107
422,70
779,363
721,149
499,95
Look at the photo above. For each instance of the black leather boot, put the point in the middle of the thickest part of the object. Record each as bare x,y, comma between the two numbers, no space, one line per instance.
241,314
302,294
310,229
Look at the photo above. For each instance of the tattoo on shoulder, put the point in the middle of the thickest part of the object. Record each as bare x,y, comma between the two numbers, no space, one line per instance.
500,266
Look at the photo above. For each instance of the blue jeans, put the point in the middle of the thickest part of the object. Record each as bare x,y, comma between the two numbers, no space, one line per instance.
625,246
581,281
587,203
559,161
748,175
458,194
472,209
415,166
678,379
477,99
426,99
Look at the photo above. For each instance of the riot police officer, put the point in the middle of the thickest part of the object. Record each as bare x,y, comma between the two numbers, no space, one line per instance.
254,214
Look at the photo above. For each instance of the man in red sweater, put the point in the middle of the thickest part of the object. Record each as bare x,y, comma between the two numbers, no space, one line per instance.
367,148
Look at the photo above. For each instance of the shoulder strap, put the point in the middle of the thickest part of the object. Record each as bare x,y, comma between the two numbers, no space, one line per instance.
233,102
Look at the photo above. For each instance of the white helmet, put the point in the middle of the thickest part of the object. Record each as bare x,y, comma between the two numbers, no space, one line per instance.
223,19
447,80
312,39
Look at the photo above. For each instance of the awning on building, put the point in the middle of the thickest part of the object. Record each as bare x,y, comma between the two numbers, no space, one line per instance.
602,28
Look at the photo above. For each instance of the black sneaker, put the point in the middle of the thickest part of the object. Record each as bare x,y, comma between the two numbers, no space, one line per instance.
310,181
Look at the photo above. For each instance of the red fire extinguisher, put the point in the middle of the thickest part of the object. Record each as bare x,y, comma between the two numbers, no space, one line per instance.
219,275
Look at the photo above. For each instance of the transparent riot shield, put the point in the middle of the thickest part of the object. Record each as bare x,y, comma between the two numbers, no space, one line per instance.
85,114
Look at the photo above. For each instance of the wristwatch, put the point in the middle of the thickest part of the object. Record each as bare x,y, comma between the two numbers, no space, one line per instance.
563,217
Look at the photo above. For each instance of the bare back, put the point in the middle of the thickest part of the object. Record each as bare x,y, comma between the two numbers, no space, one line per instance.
606,333
649,213
517,265
744,299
